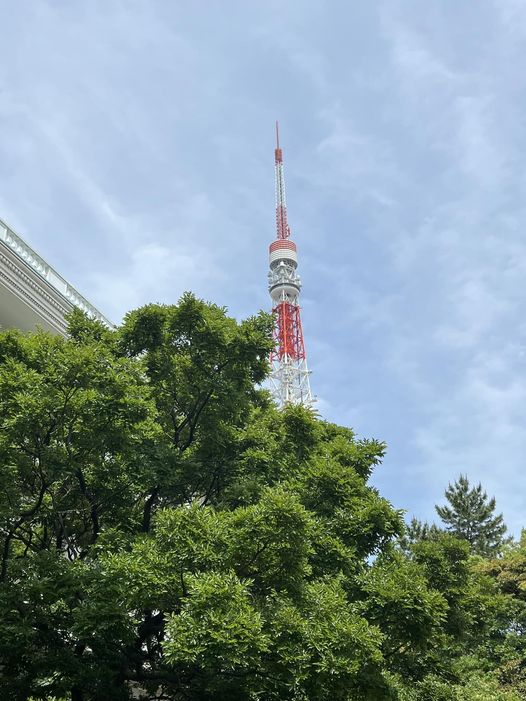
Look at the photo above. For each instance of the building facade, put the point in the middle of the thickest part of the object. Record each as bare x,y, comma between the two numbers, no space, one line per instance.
32,293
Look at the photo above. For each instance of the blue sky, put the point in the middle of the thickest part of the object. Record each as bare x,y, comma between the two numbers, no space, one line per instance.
136,154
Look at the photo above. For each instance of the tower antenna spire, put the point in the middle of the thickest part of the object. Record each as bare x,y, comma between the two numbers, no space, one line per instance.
289,376
282,227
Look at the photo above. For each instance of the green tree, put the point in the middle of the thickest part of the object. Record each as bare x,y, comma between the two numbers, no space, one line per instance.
509,650
160,529
416,531
471,516
166,532
475,652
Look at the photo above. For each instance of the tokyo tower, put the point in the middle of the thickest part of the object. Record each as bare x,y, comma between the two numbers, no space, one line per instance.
289,377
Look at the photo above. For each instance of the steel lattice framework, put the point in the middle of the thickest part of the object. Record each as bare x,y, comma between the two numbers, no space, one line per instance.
289,378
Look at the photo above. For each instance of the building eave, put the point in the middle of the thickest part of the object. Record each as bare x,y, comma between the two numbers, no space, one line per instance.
32,292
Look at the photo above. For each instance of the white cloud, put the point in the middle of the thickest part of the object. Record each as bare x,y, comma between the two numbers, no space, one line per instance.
156,273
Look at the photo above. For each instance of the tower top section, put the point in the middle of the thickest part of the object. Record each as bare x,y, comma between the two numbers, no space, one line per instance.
282,227
278,152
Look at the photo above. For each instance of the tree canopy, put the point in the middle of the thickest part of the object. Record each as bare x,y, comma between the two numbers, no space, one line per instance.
167,533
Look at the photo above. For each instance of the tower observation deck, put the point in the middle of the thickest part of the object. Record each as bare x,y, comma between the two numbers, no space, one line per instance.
289,378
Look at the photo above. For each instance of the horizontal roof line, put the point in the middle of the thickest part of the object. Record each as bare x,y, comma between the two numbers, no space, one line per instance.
31,258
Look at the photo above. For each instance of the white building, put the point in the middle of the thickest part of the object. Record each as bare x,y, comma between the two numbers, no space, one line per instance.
32,293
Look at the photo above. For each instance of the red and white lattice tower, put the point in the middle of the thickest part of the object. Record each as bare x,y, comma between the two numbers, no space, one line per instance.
289,377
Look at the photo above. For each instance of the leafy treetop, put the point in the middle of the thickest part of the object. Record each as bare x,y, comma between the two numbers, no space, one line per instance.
167,533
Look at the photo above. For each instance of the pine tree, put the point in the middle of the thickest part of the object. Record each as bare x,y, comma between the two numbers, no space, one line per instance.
417,530
470,516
